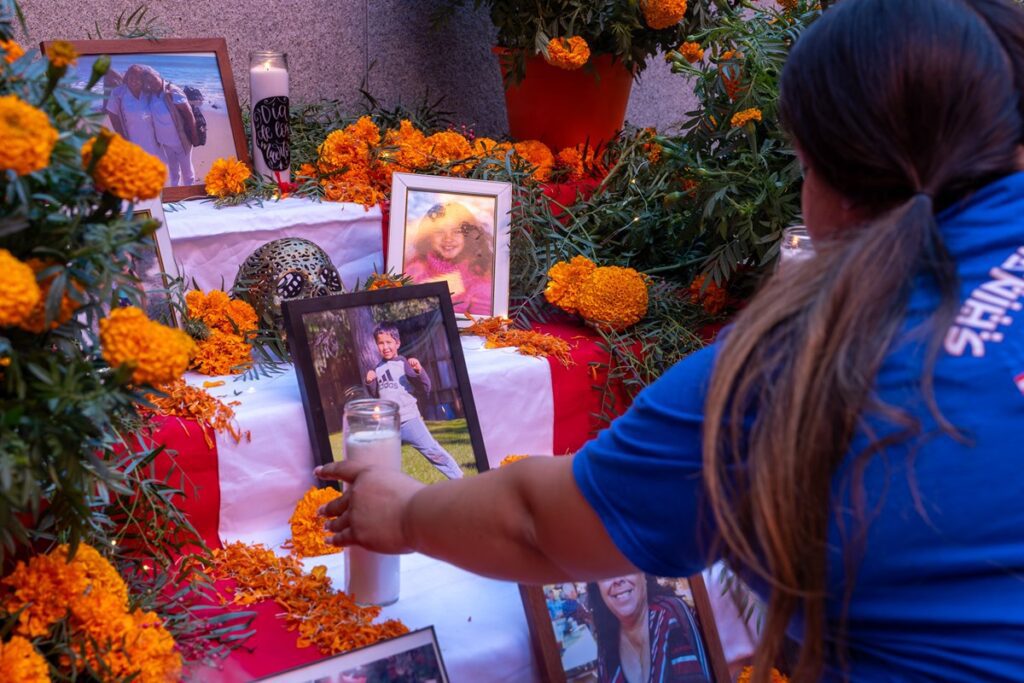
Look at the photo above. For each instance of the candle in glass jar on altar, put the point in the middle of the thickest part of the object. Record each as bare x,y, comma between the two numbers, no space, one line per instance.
372,435
271,137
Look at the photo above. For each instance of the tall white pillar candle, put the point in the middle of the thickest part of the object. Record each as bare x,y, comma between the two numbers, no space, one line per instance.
373,578
268,92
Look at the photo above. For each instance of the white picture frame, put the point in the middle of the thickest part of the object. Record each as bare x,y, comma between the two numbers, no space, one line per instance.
155,275
341,668
441,230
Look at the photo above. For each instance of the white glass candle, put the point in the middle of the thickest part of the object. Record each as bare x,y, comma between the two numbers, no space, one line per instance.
372,435
795,247
271,135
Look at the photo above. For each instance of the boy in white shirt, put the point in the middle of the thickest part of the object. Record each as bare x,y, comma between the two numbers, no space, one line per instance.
394,379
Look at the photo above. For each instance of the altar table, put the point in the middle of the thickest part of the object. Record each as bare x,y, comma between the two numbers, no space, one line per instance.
210,243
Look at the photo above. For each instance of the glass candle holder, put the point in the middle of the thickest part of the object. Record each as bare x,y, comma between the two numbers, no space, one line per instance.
271,132
372,435
796,246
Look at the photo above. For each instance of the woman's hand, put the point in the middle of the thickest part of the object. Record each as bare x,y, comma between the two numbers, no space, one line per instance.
371,512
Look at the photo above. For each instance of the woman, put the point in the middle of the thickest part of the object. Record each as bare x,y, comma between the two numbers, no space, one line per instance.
645,634
852,446
130,114
175,126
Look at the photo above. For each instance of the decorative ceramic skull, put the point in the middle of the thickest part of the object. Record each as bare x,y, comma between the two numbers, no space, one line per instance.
282,270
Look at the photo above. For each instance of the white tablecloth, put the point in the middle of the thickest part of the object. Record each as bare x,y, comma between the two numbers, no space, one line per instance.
210,243
480,623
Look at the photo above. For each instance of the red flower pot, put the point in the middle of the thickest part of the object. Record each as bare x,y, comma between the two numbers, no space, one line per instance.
566,108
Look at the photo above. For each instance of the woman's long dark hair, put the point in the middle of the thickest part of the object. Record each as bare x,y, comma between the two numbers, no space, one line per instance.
901,106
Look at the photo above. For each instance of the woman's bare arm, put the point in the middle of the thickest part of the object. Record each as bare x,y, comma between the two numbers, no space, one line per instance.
526,522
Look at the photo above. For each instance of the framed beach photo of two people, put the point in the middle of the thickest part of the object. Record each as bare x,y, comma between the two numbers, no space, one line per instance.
582,632
175,98
455,231
400,345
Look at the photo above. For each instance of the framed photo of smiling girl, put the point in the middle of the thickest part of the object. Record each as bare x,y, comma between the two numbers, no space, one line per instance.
626,628
455,231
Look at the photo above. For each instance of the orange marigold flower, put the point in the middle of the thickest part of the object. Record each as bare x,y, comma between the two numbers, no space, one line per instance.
12,50
365,130
742,118
222,354
157,353
307,171
731,82
565,282
509,459
539,156
788,5
19,291
411,147
661,14
125,170
691,52
711,296
61,54
27,134
384,281
571,160
614,297
227,177
568,53
36,322
308,539
448,146
218,312
20,662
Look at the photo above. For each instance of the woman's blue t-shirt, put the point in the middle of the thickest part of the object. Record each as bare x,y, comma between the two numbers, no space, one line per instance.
939,588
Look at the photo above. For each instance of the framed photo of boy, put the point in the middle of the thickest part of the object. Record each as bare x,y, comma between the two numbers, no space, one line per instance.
579,628
400,345
414,656
455,231
175,98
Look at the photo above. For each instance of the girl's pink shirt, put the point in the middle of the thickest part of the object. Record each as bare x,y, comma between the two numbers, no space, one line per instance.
476,298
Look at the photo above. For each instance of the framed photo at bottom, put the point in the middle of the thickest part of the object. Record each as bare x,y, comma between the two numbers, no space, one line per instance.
578,629
412,658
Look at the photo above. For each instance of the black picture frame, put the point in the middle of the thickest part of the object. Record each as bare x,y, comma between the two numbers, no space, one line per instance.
313,402
332,668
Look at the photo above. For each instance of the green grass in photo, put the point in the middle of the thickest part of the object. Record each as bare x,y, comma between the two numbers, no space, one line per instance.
453,435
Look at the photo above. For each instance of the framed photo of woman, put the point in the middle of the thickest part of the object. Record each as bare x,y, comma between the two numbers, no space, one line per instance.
175,98
455,231
584,632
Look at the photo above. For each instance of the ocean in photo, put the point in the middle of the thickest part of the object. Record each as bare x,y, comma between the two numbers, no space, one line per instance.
198,70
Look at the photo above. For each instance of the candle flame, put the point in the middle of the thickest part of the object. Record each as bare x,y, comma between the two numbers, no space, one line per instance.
266,66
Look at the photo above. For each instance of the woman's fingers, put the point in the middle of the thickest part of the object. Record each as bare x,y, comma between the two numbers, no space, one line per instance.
337,506
345,470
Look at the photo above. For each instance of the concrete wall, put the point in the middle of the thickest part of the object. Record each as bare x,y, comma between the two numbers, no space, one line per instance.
336,46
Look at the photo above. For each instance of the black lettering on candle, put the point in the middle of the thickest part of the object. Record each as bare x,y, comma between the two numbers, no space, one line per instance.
271,132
